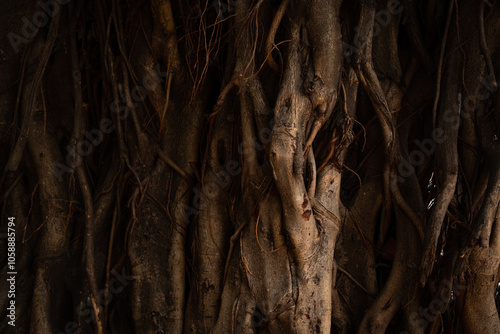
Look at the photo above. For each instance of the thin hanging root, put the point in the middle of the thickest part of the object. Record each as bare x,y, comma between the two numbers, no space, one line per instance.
89,236
222,96
359,285
108,261
121,141
272,34
232,241
318,123
11,188
388,129
237,233
141,138
243,257
440,64
400,201
369,79
484,46
167,100
163,156
329,156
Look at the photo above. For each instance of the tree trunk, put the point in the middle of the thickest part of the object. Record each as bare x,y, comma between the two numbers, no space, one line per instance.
250,166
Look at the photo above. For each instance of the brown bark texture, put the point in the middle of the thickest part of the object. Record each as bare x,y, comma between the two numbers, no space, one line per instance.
250,166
